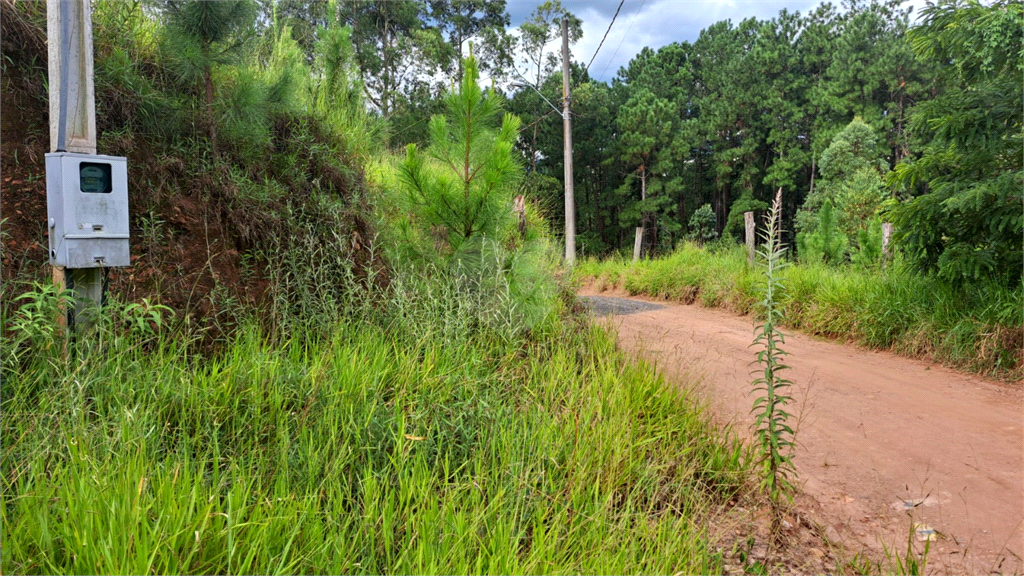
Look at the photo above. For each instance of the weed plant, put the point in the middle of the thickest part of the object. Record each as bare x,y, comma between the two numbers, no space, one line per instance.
977,327
773,433
413,438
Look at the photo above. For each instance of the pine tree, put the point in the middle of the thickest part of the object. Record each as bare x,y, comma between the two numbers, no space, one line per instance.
966,218
201,35
468,189
827,243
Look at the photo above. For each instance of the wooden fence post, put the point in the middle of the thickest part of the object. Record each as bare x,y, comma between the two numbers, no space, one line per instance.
748,219
519,210
886,237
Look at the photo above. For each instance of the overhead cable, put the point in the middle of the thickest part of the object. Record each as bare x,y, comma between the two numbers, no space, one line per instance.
624,36
603,38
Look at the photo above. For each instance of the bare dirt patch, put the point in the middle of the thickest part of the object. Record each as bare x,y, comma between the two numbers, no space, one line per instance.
884,442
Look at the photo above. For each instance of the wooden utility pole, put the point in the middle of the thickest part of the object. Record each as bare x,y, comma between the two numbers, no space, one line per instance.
748,219
73,117
570,201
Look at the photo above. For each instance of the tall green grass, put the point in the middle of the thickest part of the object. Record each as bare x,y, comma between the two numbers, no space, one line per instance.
413,438
978,329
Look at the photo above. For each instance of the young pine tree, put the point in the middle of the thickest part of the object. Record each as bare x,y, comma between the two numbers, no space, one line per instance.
827,243
201,35
869,245
467,190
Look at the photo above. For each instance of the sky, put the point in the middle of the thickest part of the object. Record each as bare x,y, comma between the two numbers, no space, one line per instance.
653,23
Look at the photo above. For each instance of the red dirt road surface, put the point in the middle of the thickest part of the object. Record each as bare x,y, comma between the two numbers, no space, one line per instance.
884,442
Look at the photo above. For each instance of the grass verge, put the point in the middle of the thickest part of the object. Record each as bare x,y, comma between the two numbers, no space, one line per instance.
979,329
391,445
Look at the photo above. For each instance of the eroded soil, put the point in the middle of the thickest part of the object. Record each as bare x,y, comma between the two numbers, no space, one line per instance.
885,443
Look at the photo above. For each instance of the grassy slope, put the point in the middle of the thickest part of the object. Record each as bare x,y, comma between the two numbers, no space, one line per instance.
412,442
979,330
377,450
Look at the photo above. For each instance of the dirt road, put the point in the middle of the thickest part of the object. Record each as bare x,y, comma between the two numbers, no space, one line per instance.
883,441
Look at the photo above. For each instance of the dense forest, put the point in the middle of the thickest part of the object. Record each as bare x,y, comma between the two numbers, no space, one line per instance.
860,112
851,109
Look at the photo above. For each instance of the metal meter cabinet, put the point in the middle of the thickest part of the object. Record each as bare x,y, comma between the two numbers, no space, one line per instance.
87,208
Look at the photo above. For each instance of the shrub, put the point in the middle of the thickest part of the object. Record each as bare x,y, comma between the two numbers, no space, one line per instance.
702,225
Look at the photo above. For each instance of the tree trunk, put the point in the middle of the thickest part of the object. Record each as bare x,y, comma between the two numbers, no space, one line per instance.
211,124
681,210
458,80
533,148
385,90
723,208
901,145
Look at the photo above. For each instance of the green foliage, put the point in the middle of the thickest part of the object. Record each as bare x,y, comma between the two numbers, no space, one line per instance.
393,46
334,64
749,107
966,217
859,199
460,200
242,113
853,149
702,225
34,328
35,334
287,75
827,243
735,224
869,245
872,74
463,21
344,453
853,173
542,27
645,126
202,35
471,192
336,92
124,36
912,562
773,433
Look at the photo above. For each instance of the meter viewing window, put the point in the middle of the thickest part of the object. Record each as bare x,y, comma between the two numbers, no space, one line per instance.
95,178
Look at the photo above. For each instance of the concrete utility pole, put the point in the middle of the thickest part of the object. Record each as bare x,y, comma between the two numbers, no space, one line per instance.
73,117
570,201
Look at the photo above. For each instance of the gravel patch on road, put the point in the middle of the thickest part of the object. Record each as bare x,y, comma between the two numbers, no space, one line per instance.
610,305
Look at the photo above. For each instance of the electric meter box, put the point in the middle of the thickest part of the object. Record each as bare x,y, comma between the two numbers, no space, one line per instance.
87,209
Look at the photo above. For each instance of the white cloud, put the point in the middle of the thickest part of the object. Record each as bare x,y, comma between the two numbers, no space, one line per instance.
655,23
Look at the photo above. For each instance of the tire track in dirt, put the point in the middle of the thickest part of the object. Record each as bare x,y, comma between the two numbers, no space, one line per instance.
883,441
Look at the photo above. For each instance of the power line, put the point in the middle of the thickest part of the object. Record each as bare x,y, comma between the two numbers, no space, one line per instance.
605,34
624,36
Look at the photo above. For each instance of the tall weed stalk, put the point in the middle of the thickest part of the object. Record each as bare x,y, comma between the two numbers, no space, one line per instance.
774,435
